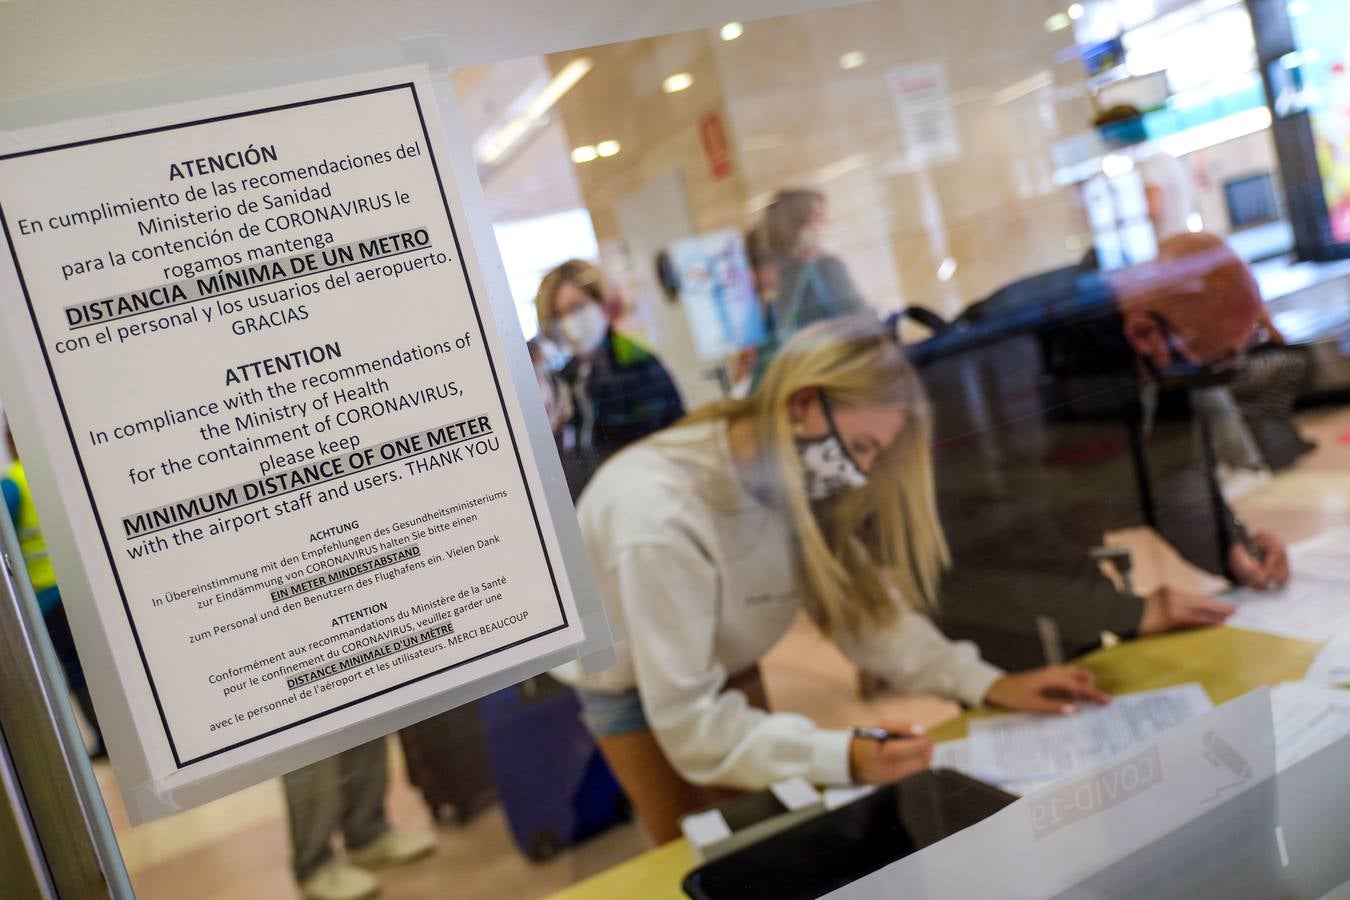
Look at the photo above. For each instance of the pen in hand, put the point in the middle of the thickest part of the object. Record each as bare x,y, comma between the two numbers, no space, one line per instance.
881,735
1253,549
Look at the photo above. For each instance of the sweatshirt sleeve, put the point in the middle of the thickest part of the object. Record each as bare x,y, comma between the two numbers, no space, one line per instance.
915,656
670,597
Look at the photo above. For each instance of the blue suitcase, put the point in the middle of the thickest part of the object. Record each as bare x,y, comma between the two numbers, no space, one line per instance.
552,782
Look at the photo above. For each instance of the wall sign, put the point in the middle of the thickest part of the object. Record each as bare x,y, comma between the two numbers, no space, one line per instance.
923,108
713,135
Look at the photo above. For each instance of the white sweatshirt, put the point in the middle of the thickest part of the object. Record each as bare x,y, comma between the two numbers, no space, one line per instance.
697,576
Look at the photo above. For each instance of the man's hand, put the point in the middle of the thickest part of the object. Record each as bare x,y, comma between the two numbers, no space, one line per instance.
1272,573
1052,689
881,762
1167,609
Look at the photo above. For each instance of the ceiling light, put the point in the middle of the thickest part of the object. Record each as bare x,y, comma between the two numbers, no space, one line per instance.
503,139
1115,164
1297,8
678,82
563,82
584,154
1031,84
1075,11
607,148
841,167
732,30
1057,22
495,144
852,59
947,269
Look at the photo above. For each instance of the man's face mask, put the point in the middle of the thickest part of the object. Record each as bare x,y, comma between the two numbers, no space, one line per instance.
828,467
1181,372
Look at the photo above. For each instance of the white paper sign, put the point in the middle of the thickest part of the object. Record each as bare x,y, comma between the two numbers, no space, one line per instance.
290,411
923,107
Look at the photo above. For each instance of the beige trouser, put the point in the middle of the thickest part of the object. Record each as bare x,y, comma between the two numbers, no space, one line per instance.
343,793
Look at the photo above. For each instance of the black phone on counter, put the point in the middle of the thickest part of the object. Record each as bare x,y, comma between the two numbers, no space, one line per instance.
840,846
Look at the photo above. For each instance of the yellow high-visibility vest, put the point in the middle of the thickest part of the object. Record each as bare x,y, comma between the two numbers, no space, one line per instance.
31,541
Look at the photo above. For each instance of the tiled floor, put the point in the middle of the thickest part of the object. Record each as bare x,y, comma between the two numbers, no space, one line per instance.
237,848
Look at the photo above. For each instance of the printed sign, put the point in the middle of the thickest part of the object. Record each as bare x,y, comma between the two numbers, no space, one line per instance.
289,410
923,107
714,138
717,293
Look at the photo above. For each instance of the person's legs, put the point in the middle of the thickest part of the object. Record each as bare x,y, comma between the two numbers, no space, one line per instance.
313,807
63,644
660,796
86,704
364,773
370,842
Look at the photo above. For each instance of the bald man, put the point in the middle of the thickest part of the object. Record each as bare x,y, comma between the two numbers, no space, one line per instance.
1049,437
1197,304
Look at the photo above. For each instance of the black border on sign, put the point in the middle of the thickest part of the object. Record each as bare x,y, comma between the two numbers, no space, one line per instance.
496,380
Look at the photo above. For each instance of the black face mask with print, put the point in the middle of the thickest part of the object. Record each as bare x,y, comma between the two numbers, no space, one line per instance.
827,466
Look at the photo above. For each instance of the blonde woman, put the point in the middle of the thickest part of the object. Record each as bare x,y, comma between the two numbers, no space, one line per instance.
814,492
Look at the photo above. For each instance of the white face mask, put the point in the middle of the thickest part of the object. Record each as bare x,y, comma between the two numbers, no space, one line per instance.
828,467
584,330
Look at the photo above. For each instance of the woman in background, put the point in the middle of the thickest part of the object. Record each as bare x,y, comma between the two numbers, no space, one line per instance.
811,284
616,389
815,492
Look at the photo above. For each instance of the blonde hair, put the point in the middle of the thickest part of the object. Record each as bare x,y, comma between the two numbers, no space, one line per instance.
856,550
576,272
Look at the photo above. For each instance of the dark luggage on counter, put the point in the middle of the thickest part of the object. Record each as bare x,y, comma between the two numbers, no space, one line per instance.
554,785
447,757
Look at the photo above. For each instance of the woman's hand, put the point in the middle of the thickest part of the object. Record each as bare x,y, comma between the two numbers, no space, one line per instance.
1167,609
880,762
1052,689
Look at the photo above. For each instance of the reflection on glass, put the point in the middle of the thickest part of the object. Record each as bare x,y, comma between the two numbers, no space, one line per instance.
891,352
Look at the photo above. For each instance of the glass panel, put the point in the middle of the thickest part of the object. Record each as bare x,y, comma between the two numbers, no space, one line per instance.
909,364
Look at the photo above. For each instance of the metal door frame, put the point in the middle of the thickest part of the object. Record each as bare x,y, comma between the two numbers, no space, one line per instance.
50,783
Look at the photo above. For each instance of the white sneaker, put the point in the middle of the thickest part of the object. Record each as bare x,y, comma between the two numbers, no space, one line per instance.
340,881
393,848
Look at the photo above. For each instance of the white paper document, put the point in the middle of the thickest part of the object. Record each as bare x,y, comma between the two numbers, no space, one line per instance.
957,755
1332,663
1024,752
1326,556
1307,717
1052,843
836,797
1312,607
